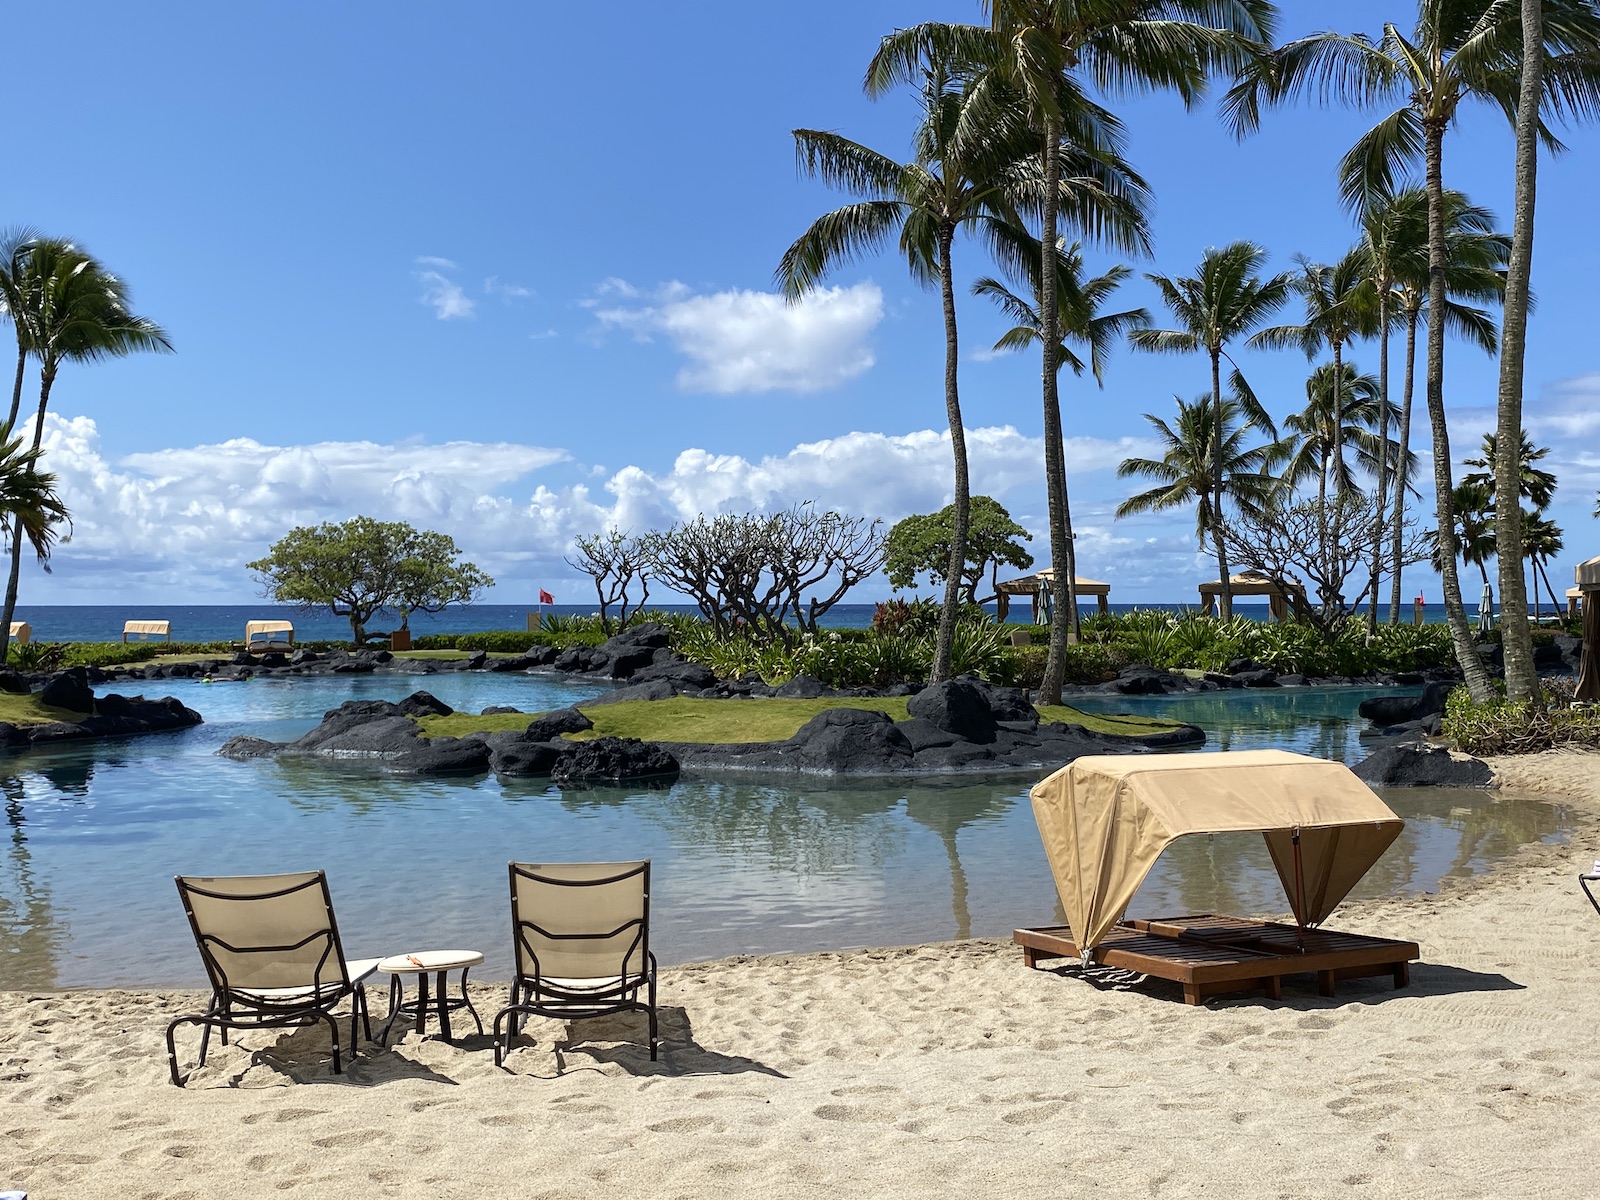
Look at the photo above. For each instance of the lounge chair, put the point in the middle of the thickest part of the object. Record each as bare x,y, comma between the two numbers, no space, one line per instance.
271,949
582,938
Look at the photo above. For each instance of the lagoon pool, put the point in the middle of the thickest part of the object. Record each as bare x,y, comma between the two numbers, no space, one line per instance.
94,834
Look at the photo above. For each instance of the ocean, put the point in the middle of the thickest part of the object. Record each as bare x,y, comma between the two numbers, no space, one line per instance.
225,622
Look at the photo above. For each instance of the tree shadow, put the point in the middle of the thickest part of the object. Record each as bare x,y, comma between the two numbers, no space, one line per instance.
622,1040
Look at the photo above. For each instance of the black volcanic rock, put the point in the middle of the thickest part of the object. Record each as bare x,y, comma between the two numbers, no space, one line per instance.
613,760
552,725
958,706
1417,764
69,690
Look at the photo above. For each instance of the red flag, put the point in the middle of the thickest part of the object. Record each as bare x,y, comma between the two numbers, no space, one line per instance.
545,597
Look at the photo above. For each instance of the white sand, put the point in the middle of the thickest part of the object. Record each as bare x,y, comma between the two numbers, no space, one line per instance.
933,1070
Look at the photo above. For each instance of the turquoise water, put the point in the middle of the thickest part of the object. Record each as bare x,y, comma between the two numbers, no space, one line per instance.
94,835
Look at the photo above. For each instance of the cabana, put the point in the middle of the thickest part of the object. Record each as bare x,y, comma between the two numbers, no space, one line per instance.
1588,580
1574,603
21,632
268,637
1280,599
144,630
1037,589
1106,819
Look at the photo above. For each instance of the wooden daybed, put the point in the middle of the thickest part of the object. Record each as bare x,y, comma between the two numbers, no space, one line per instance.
1213,955
1105,820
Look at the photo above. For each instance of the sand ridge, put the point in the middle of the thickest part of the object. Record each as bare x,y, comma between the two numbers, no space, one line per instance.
898,1072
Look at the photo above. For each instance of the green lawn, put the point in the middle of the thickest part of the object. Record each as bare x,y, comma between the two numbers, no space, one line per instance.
26,710
688,719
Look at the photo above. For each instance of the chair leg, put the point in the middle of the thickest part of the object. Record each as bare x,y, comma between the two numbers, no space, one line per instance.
333,1030
655,1038
172,1045
467,1000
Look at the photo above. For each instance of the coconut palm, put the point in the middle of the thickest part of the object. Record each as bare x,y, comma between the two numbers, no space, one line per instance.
1079,320
75,311
28,499
1464,50
1474,531
1186,472
1534,484
1542,540
1320,441
961,178
1475,261
1219,305
1049,52
16,246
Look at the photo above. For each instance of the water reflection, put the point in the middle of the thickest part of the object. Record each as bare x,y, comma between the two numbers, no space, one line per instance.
30,933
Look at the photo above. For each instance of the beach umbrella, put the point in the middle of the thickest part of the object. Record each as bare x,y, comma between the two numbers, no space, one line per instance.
1486,609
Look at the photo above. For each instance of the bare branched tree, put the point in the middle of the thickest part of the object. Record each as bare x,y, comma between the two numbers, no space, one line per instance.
615,561
759,570
1291,543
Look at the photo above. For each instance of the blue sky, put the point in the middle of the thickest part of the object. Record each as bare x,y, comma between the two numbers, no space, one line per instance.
505,270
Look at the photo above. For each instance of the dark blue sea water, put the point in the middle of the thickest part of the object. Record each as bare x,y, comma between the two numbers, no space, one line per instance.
225,622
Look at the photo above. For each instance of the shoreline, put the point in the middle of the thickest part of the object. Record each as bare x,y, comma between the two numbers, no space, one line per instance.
893,1071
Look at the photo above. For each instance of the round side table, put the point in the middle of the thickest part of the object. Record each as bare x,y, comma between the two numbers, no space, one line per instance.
422,963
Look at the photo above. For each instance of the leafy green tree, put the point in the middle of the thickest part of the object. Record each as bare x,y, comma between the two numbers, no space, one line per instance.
1186,473
962,177
920,546
1223,302
66,307
355,568
1458,50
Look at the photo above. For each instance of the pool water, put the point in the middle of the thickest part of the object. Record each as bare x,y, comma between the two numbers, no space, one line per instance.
94,834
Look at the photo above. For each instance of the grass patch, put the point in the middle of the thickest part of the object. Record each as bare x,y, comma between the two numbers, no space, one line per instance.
688,719
26,710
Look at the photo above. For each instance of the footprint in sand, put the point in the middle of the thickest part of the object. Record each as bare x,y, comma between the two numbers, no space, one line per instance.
1036,1115
283,1114
681,1125
350,1139
853,1113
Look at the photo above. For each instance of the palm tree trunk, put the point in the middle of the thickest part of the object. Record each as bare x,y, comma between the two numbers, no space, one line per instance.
1382,505
1477,676
16,389
47,379
1522,678
1402,478
1218,535
1333,527
1061,557
958,447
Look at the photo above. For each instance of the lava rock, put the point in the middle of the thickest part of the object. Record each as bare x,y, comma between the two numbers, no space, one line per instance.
11,682
300,657
1384,711
656,689
423,704
496,710
682,674
849,740
958,706
69,690
958,754
443,756
614,760
1257,678
803,687
1417,764
1239,666
551,725
523,757
1142,680
925,735
242,748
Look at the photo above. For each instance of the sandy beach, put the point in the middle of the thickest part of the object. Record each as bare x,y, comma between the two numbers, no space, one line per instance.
899,1072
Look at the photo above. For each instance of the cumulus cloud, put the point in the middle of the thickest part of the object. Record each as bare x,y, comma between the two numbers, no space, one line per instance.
185,520
746,341
444,295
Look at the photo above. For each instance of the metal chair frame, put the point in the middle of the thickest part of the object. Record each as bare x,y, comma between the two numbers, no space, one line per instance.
233,1008
533,995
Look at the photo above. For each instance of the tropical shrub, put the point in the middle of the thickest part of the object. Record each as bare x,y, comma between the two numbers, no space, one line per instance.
1515,727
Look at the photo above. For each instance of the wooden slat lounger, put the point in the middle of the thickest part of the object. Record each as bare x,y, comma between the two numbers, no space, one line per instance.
1211,955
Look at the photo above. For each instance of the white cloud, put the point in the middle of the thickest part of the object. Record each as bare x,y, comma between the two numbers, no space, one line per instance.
494,286
185,520
441,293
746,341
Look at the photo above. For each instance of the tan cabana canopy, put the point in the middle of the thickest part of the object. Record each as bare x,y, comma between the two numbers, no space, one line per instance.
22,631
1105,819
146,629
258,634
1037,585
1280,599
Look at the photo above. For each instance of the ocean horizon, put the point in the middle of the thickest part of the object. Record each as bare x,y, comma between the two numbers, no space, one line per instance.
225,622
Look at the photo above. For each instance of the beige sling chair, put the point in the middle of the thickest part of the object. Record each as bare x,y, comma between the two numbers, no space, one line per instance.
582,938
272,952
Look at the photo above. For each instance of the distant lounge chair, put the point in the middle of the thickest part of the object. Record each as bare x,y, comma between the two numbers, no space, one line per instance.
271,949
143,630
582,937
21,632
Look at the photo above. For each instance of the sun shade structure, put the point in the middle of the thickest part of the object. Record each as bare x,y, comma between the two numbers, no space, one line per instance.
1106,819
1281,598
1037,588
146,629
21,632
1588,580
262,637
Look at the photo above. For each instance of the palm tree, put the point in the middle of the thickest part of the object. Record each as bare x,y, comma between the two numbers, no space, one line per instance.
1186,472
76,311
1474,531
1469,49
1378,250
1534,484
28,498
962,177
1046,51
1319,451
1474,271
1542,540
1222,302
16,245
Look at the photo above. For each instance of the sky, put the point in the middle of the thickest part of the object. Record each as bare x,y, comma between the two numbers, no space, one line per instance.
506,271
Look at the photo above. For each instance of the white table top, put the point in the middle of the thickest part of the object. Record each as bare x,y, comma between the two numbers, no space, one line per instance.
429,960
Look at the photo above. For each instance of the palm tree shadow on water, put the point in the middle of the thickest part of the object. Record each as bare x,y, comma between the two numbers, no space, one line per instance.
32,935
